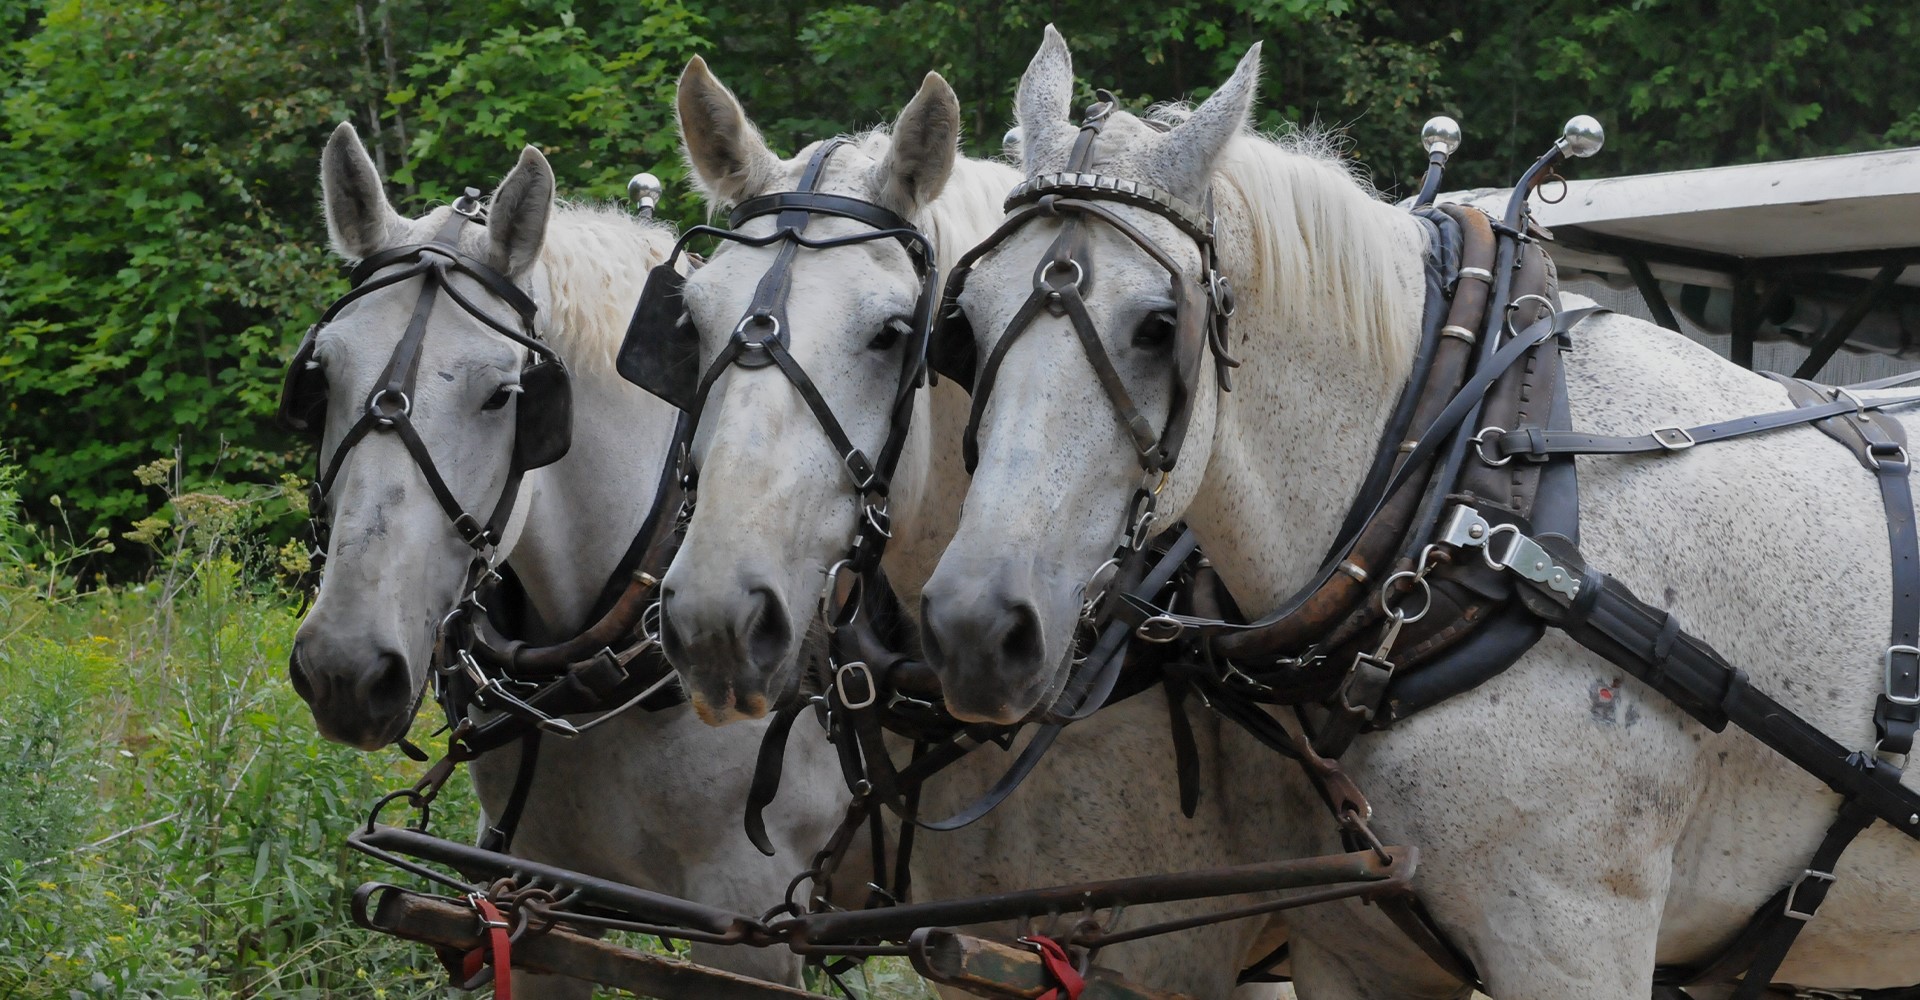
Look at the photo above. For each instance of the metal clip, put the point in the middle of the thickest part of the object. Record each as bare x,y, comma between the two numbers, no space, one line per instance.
1528,559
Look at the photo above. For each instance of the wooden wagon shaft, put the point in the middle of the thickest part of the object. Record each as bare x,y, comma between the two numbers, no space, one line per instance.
446,924
993,969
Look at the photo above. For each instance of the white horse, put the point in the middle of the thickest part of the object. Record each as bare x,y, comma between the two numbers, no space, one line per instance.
776,510
653,799
1564,853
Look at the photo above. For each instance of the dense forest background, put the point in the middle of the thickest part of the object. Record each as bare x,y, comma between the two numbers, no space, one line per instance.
160,247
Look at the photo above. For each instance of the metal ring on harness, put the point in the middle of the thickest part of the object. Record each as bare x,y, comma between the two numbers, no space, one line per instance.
1160,629
375,410
1394,610
1046,268
1480,445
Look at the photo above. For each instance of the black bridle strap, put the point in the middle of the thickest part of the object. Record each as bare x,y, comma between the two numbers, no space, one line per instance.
389,406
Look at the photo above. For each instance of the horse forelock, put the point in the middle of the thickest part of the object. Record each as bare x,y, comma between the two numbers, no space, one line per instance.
597,258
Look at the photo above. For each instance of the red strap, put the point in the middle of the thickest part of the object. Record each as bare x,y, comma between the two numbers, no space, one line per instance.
1059,965
496,952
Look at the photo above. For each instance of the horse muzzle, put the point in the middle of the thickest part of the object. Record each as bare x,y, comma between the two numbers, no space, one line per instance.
998,644
729,647
364,701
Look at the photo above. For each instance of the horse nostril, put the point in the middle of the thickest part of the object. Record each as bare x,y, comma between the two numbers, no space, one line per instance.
673,642
930,633
1021,643
392,687
296,673
768,632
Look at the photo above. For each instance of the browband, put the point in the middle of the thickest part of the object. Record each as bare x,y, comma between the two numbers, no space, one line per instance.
1175,209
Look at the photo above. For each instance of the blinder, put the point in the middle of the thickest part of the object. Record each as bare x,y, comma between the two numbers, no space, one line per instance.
661,352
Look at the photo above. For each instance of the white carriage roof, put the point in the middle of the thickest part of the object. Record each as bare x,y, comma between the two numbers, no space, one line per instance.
1862,207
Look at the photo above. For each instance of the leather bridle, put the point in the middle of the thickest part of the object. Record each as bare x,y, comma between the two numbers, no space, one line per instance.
1202,307
760,337
540,438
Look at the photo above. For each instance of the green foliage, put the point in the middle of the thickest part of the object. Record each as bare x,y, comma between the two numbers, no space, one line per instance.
172,824
160,248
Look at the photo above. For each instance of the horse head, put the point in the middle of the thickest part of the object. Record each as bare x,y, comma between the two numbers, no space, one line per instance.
431,396
1092,314
810,321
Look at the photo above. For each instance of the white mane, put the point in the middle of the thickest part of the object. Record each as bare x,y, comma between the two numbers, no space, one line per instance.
969,205
1326,250
597,259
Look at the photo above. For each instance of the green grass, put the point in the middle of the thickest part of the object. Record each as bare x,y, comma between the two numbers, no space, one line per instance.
171,825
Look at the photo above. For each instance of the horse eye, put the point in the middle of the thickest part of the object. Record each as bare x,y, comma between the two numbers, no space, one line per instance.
501,396
1155,331
889,335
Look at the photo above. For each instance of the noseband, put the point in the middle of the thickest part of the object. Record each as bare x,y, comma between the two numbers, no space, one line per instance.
662,350
543,415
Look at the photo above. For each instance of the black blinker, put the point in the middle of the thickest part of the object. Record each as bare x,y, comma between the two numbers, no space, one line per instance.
661,354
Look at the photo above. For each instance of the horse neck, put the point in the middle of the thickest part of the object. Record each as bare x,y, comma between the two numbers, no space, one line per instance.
968,209
582,512
1298,432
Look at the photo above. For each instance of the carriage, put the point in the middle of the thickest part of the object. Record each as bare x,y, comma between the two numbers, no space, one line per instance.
1155,615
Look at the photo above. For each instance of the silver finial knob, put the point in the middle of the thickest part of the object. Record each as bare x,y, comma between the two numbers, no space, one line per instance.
1582,136
645,190
1440,135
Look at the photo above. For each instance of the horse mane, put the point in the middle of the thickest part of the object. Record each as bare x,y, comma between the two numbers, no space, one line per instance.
1326,250
969,205
597,258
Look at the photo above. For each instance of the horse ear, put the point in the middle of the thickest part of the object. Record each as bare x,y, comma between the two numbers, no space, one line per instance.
1045,98
729,159
926,141
1191,148
359,219
517,214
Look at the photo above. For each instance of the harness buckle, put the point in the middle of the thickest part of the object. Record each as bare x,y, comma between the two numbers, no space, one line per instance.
1914,668
1672,438
1897,460
872,692
1793,892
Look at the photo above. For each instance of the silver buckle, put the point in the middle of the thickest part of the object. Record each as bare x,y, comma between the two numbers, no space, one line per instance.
1672,438
1887,663
840,685
1794,891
